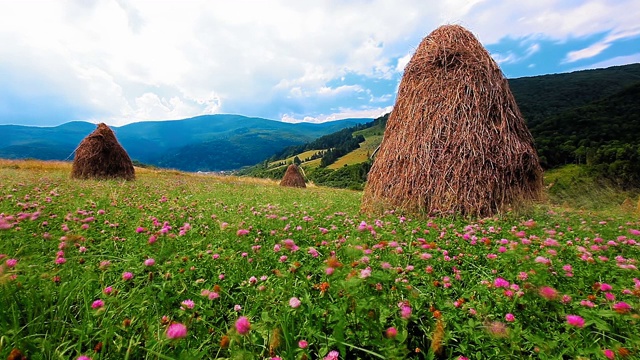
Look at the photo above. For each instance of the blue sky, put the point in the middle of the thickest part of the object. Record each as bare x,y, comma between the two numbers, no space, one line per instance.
119,61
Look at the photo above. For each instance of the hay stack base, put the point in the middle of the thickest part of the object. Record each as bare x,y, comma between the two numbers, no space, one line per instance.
455,141
100,156
293,177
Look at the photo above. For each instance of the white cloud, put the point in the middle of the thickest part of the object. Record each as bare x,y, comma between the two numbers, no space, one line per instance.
342,114
403,61
343,89
511,58
507,58
150,106
382,99
534,48
553,19
586,53
600,46
134,18
268,57
98,88
616,61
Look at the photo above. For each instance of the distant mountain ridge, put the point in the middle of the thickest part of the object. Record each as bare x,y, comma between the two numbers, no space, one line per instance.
203,143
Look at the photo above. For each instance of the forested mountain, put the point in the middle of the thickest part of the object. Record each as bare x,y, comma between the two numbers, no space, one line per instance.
604,135
539,97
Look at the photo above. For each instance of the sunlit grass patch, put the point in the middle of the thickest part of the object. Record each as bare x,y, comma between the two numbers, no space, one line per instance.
573,186
302,156
361,154
35,164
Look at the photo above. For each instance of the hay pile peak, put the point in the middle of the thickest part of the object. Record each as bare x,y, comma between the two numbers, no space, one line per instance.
100,156
293,177
455,141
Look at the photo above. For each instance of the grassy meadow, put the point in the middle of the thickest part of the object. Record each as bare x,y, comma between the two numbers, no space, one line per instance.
359,155
373,138
185,266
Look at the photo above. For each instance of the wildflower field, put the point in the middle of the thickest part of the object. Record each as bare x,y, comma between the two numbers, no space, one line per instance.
180,266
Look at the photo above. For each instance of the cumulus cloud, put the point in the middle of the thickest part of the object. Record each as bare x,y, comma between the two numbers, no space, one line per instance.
150,106
328,91
152,60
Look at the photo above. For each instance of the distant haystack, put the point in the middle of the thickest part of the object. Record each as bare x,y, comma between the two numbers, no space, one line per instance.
628,206
100,156
293,177
455,140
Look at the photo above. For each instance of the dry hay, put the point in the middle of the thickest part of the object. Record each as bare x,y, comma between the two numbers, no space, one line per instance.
455,141
628,206
293,177
33,164
100,156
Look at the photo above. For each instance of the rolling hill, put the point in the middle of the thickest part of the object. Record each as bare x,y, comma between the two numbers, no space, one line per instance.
206,143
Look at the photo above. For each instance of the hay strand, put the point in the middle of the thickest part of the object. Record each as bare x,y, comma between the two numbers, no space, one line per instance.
455,141
100,156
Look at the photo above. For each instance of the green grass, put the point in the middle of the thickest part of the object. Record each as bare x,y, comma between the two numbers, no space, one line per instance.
257,245
574,187
373,138
359,155
311,164
372,131
300,156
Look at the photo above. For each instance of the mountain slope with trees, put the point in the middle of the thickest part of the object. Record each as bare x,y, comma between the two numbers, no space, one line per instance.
604,135
540,97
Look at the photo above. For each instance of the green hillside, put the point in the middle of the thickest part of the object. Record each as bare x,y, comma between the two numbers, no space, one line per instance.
540,97
604,135
373,138
341,159
306,158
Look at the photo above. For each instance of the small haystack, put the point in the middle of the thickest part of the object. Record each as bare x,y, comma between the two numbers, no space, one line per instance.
628,206
293,177
100,156
455,141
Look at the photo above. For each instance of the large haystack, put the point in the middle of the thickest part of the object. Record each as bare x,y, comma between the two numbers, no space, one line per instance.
100,156
293,177
455,140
